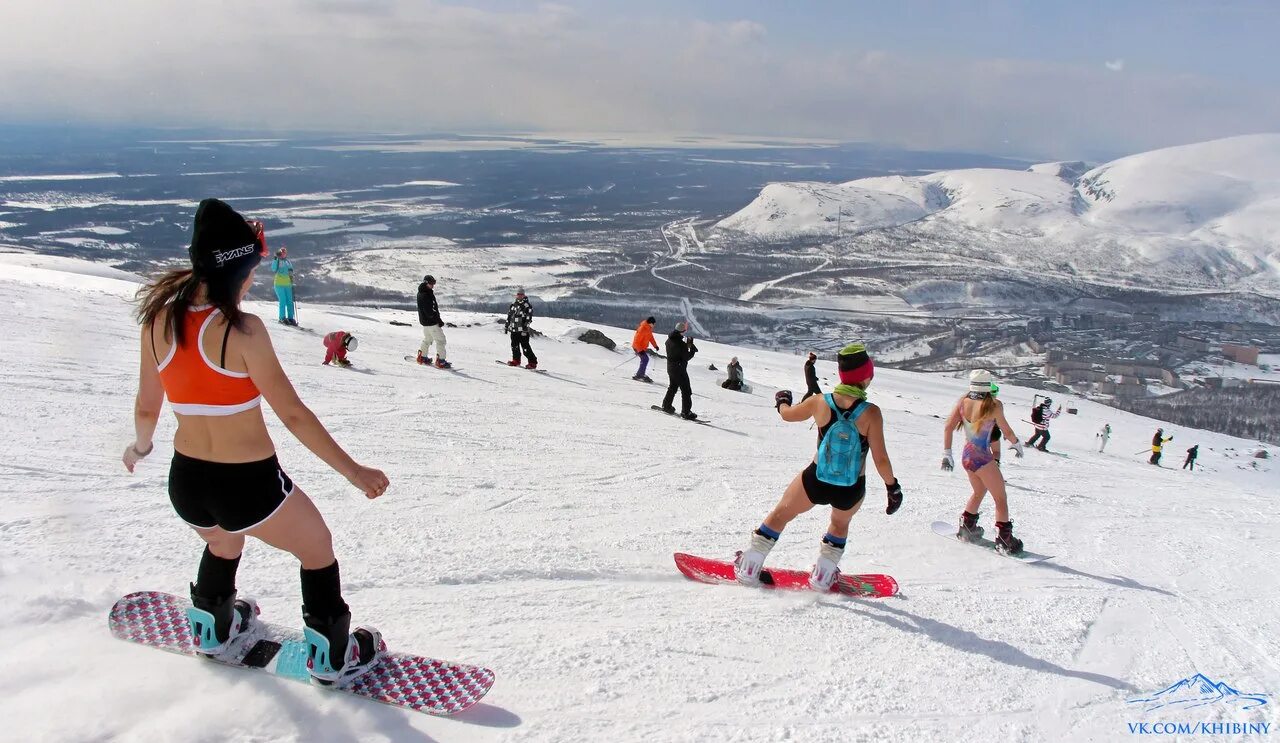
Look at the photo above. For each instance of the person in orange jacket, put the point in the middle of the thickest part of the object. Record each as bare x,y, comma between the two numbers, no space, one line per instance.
640,343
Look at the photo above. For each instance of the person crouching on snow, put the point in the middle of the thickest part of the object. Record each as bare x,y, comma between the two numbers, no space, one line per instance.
336,345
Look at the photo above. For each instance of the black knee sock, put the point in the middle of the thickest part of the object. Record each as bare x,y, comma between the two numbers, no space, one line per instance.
322,592
217,576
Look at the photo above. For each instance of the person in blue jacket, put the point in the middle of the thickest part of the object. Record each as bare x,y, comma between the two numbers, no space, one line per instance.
283,269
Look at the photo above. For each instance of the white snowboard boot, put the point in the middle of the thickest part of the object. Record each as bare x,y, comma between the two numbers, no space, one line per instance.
827,568
747,567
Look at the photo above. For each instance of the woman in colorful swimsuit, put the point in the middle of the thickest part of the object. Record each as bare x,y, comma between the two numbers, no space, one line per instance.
216,364
978,413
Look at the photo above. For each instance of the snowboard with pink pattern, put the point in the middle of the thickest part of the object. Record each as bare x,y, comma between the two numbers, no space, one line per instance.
434,687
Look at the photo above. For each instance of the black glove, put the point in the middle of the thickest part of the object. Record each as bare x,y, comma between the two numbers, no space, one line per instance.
895,497
780,397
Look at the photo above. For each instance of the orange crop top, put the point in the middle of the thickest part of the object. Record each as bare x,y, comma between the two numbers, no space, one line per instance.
191,381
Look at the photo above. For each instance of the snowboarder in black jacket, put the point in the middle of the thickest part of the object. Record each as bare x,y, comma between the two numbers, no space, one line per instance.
811,377
432,324
679,351
519,320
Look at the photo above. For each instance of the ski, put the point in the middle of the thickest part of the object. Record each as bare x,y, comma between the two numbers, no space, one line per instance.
706,570
658,408
434,687
503,363
943,529
414,360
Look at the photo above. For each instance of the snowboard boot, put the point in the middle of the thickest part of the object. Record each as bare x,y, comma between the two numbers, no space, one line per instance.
513,362
357,652
645,378
531,365
638,378
969,529
217,623
827,569
442,364
689,415
343,363
668,410
420,359
1005,541
746,568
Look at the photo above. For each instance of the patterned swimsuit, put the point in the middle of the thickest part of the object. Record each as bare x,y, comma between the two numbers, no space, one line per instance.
977,447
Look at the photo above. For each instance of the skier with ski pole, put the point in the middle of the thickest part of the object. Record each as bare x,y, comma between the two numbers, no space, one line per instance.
977,413
1190,462
225,480
640,343
282,268
1041,415
1103,436
1157,443
848,427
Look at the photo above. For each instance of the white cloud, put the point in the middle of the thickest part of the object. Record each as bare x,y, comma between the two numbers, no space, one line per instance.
410,65
1115,65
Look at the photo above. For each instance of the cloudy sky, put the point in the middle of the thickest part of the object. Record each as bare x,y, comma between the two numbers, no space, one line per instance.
1085,78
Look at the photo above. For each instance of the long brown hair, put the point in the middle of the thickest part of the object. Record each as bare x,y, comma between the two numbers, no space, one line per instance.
986,411
176,289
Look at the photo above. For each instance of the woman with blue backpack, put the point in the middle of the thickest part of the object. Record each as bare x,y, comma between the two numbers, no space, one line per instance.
848,427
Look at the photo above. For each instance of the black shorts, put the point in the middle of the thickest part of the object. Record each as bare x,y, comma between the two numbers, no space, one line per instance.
839,497
236,497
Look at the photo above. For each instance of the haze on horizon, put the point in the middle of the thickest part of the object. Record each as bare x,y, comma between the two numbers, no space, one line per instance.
1084,80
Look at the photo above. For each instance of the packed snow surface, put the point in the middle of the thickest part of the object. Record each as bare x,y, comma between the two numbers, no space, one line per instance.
530,525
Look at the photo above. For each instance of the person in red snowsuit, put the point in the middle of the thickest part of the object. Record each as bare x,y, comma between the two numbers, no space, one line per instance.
336,345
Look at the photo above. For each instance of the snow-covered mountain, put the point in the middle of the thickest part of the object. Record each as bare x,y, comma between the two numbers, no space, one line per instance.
530,526
1212,206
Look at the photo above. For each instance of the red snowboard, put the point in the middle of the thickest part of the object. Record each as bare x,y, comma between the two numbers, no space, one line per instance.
705,570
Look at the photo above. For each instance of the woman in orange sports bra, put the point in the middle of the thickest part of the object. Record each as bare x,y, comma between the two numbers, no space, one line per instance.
978,413
216,364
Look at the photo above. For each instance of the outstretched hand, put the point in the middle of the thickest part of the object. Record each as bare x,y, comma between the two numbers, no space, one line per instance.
781,397
373,482
895,497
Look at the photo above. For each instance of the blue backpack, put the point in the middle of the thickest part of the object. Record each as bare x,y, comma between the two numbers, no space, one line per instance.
840,454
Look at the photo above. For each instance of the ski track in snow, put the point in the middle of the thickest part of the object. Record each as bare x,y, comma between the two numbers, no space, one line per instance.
530,525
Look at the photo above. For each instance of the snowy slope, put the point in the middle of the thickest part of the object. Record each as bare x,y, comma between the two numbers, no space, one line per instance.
553,565
1213,206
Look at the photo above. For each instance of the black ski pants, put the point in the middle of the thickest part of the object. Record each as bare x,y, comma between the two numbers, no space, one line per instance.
1041,435
679,381
1189,464
521,341
732,384
813,390
1155,458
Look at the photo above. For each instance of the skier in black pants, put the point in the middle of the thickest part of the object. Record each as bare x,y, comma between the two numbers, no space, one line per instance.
679,351
811,377
519,318
1040,417
1192,453
1157,445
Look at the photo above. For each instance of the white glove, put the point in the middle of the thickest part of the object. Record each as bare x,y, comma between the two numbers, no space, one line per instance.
948,463
1017,449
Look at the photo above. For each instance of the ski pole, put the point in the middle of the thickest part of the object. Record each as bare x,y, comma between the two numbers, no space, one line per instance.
606,371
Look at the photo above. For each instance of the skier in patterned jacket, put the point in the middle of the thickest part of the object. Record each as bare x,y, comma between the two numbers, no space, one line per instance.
1040,417
519,319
